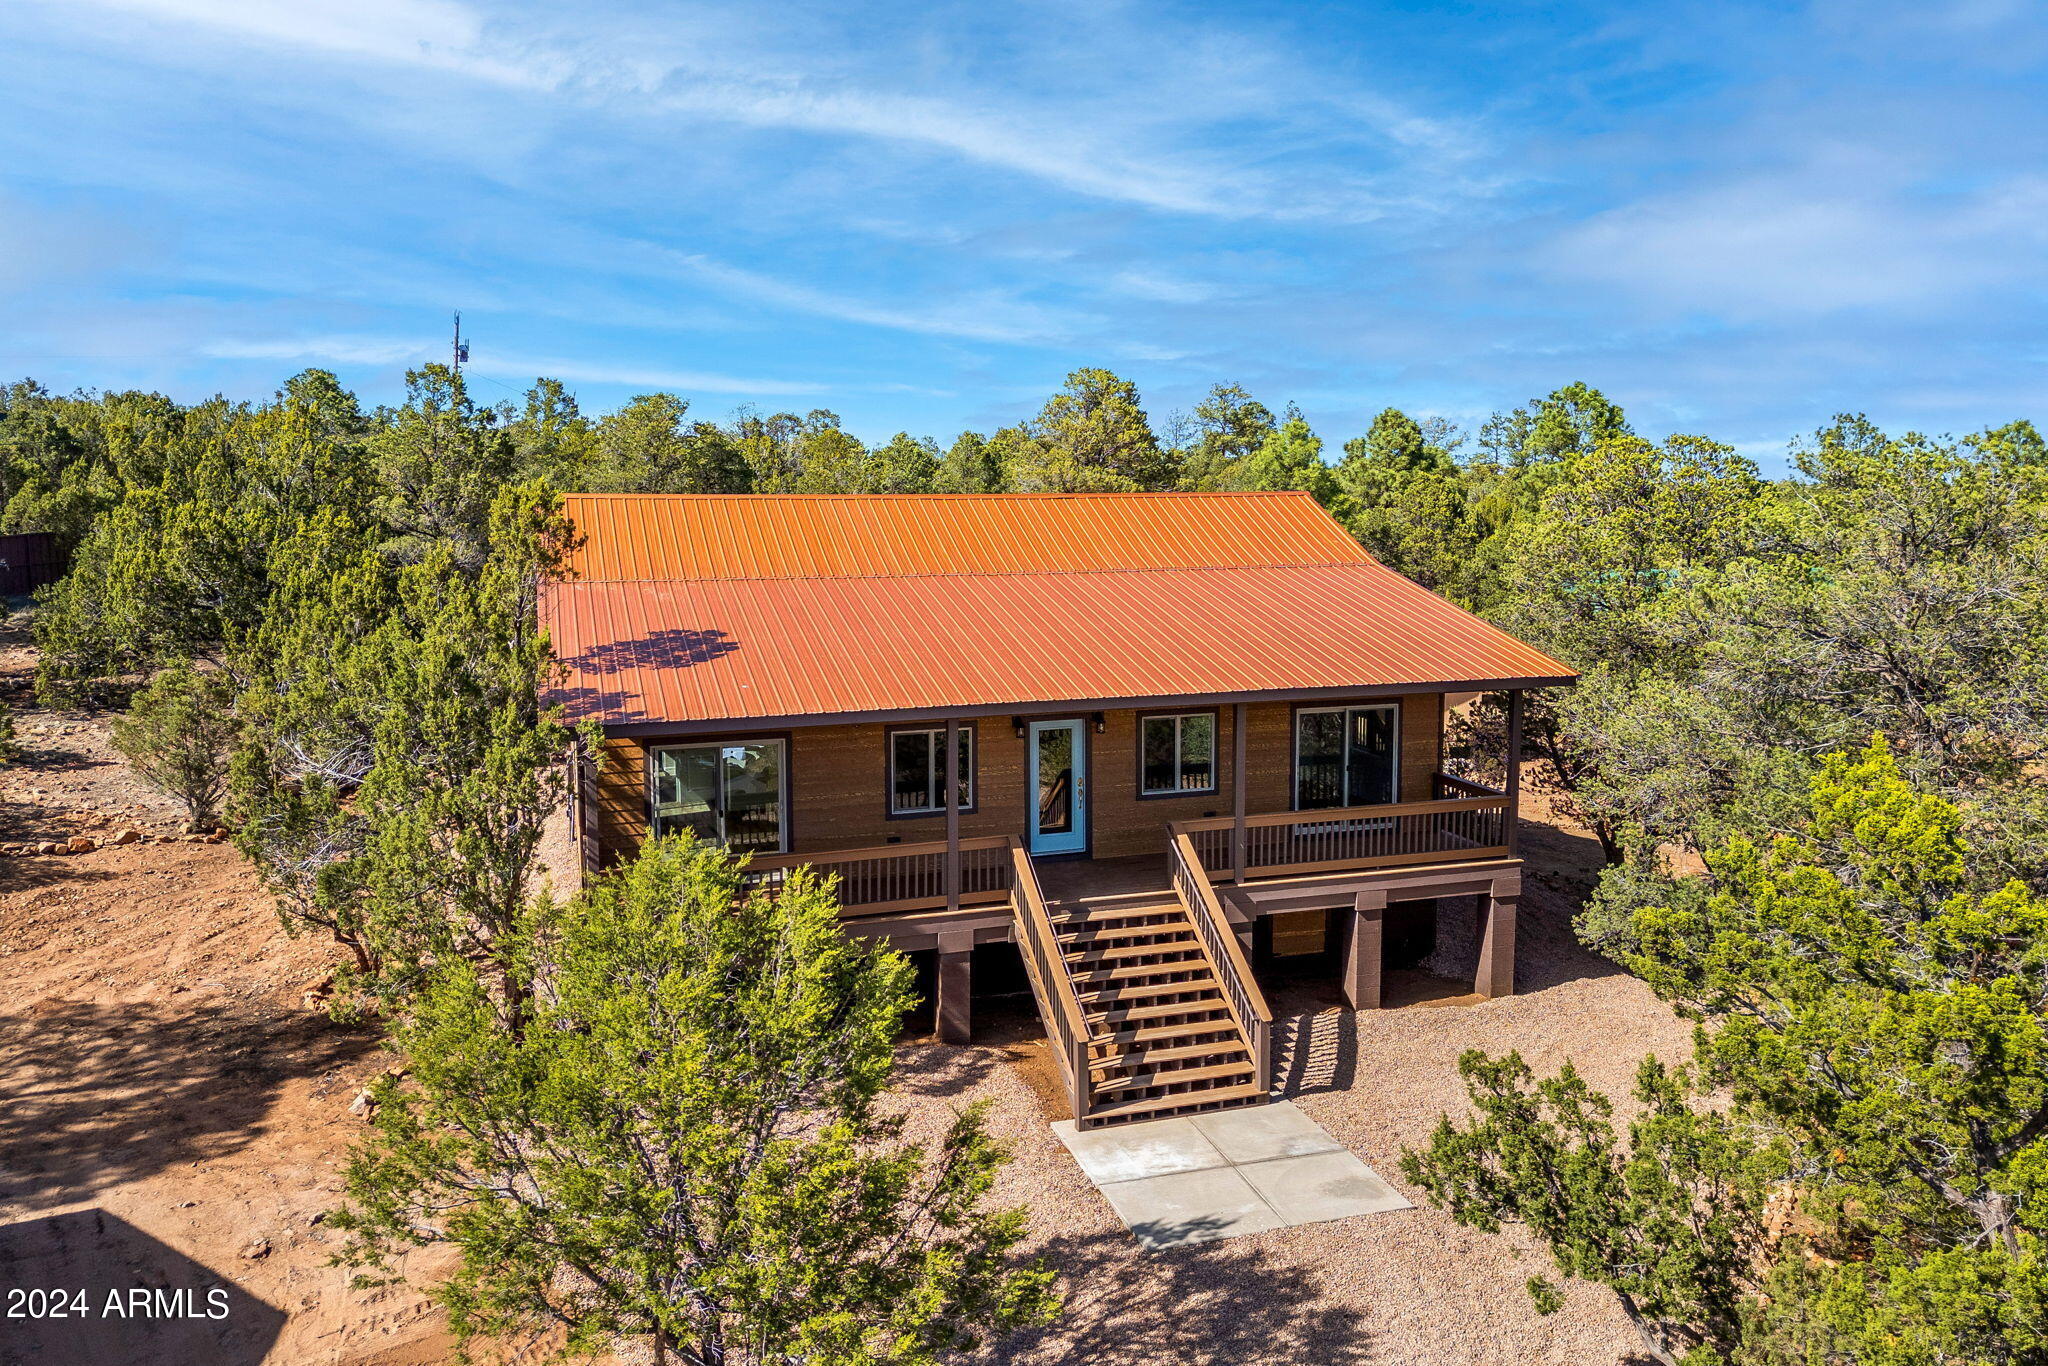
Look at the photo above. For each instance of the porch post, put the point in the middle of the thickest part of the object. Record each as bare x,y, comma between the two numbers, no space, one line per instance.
952,780
956,987
1514,811
1237,748
1364,951
1496,975
583,809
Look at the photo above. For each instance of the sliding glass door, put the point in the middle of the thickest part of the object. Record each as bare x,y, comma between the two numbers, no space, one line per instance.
1346,756
730,794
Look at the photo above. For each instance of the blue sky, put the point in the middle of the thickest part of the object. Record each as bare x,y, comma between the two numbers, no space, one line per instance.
1735,219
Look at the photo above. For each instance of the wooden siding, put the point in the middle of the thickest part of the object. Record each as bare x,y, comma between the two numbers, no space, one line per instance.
838,792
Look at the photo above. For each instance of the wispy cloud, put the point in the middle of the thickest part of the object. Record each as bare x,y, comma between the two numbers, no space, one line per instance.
981,315
335,349
1735,217
1807,243
1135,151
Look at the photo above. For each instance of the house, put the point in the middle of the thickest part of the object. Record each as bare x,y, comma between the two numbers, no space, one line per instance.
1145,739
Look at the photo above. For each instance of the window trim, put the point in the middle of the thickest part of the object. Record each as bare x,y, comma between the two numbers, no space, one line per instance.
1215,757
780,739
889,735
1294,767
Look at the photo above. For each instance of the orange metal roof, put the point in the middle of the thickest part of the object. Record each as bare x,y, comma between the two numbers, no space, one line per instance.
714,536
698,609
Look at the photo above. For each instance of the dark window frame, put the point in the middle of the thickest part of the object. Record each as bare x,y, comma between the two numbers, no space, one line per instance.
889,735
1215,756
785,807
1397,704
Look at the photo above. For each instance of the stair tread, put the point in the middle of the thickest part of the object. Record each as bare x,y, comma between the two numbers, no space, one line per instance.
1187,943
1140,1057
1075,921
1123,1108
1146,1080
1134,972
1163,1033
1118,1015
1113,993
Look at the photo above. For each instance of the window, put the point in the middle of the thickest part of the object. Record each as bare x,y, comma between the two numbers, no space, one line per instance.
1177,754
1345,756
729,793
917,784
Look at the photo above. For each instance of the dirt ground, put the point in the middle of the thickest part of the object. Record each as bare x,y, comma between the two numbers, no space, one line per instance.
171,1103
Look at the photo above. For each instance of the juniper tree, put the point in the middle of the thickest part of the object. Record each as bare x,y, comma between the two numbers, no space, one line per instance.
312,707
1875,1007
686,1149
441,461
403,752
180,563
468,758
178,733
1671,1220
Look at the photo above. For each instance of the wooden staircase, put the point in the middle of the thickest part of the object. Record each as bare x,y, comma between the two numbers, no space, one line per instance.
1162,1039
1147,1000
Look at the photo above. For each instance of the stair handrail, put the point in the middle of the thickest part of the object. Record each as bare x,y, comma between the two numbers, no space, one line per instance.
1234,971
1059,1007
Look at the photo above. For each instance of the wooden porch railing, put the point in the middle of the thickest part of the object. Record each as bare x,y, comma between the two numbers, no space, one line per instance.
1326,840
902,877
1059,1009
1233,971
1443,785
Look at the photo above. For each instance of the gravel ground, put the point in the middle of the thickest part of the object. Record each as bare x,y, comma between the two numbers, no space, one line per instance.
1408,1288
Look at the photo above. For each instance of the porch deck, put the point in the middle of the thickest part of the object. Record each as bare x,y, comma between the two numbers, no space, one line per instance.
1139,964
1083,881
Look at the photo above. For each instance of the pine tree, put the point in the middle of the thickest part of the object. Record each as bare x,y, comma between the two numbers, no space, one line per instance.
972,465
1092,436
906,464
1291,458
649,447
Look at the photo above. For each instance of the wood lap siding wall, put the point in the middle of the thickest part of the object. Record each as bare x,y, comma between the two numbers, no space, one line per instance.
839,791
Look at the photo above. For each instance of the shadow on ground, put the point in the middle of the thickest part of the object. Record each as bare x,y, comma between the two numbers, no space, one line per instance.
101,1095
26,873
1212,1303
129,1298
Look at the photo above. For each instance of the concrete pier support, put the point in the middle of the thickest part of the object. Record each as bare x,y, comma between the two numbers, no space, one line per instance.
956,988
1365,951
1496,975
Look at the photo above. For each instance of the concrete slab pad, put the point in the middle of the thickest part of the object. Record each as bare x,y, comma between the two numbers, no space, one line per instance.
1319,1186
1132,1152
1259,1133
1190,1207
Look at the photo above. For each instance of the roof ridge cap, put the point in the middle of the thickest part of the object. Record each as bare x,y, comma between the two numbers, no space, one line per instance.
1365,563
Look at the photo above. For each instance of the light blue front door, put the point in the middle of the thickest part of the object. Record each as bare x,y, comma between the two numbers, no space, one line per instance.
1059,787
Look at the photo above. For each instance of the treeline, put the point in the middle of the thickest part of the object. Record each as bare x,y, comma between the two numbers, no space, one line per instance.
1726,623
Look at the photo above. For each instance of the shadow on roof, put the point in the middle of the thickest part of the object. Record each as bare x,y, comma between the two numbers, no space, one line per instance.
671,648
